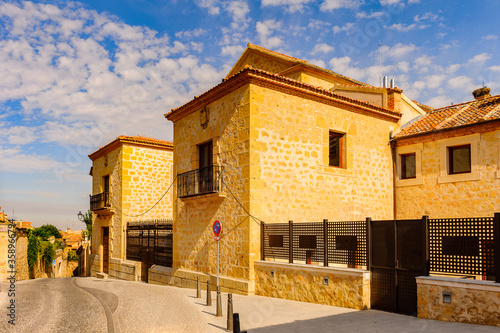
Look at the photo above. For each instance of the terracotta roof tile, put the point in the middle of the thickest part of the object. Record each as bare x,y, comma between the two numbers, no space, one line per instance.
454,116
291,82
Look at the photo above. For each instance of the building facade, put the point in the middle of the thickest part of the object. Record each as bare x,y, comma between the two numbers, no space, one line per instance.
449,161
278,139
130,179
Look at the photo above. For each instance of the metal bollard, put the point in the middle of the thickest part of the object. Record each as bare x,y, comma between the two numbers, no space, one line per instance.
219,303
198,287
229,313
209,294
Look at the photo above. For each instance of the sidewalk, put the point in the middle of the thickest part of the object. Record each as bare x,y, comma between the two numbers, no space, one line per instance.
265,314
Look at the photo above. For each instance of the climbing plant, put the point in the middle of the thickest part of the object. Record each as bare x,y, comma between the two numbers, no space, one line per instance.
34,249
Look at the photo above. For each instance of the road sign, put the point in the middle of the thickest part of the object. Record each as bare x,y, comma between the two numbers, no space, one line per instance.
217,238
53,262
217,227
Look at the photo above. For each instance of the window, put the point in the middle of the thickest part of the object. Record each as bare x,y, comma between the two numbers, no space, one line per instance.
105,182
206,153
459,160
408,166
336,149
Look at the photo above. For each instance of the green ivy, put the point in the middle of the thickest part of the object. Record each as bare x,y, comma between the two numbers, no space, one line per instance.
34,249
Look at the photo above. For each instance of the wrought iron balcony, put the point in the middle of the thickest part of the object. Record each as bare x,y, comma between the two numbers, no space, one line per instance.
99,201
199,182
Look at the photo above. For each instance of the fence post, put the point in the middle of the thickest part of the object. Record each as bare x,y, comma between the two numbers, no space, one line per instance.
496,246
425,244
290,241
262,229
325,245
368,243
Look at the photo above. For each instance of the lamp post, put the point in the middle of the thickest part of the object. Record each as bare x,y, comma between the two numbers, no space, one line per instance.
80,216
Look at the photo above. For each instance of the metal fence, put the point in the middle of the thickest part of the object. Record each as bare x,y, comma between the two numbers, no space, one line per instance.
464,246
150,241
468,246
327,242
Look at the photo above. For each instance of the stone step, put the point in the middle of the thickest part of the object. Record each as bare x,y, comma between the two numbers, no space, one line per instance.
101,275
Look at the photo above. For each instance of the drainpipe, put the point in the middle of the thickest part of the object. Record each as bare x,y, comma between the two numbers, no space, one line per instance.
392,142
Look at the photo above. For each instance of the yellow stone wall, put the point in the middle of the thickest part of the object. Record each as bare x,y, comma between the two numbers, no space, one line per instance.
109,164
263,62
139,176
194,246
290,176
475,302
438,195
4,246
348,288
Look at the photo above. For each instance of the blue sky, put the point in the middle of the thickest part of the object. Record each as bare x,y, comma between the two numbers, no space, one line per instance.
75,75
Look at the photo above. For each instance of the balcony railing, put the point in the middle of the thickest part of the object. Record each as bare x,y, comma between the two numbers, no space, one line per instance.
99,201
198,182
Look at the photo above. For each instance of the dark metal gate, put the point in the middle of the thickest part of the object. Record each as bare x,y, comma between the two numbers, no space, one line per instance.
150,242
399,253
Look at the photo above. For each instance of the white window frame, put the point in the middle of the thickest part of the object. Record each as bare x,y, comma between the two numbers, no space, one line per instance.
473,141
417,149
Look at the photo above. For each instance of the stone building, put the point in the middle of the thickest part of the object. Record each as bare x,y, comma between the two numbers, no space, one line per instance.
129,175
449,161
277,139
4,242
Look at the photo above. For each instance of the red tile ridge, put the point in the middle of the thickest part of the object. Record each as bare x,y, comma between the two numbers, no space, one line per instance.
291,82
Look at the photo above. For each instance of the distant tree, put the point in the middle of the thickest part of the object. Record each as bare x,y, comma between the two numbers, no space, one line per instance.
87,218
47,230
34,248
49,253
40,233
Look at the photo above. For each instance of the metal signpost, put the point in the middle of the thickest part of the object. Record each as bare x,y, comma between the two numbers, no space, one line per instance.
217,228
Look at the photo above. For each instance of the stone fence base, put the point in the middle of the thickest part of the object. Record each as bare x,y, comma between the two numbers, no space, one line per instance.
459,300
344,287
187,279
125,269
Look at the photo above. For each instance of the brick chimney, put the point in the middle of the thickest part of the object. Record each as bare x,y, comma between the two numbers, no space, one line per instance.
481,93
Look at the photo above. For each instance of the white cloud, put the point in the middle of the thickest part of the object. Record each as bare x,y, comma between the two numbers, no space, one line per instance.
494,68
390,2
318,62
15,160
18,135
265,30
398,51
479,58
238,11
375,15
426,17
191,33
322,48
232,51
318,24
292,5
346,27
330,5
490,37
402,27
439,101
462,83
211,5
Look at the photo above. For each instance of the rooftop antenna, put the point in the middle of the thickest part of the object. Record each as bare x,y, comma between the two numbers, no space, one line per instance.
380,63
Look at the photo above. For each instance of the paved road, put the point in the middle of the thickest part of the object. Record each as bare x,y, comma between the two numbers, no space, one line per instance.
94,305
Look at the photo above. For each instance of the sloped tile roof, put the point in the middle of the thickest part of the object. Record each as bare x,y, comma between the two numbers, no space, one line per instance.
259,74
139,140
454,116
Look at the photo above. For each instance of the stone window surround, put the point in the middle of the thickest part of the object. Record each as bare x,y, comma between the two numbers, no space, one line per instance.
444,176
417,149
347,169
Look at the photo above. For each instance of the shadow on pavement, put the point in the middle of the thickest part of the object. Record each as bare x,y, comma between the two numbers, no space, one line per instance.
368,321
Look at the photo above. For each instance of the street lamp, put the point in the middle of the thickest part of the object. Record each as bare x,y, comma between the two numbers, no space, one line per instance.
80,216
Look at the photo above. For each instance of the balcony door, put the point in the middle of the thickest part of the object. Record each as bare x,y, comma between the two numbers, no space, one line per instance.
105,180
205,176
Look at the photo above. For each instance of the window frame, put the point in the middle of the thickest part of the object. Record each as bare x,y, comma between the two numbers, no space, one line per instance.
341,148
403,165
474,141
416,149
450,150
